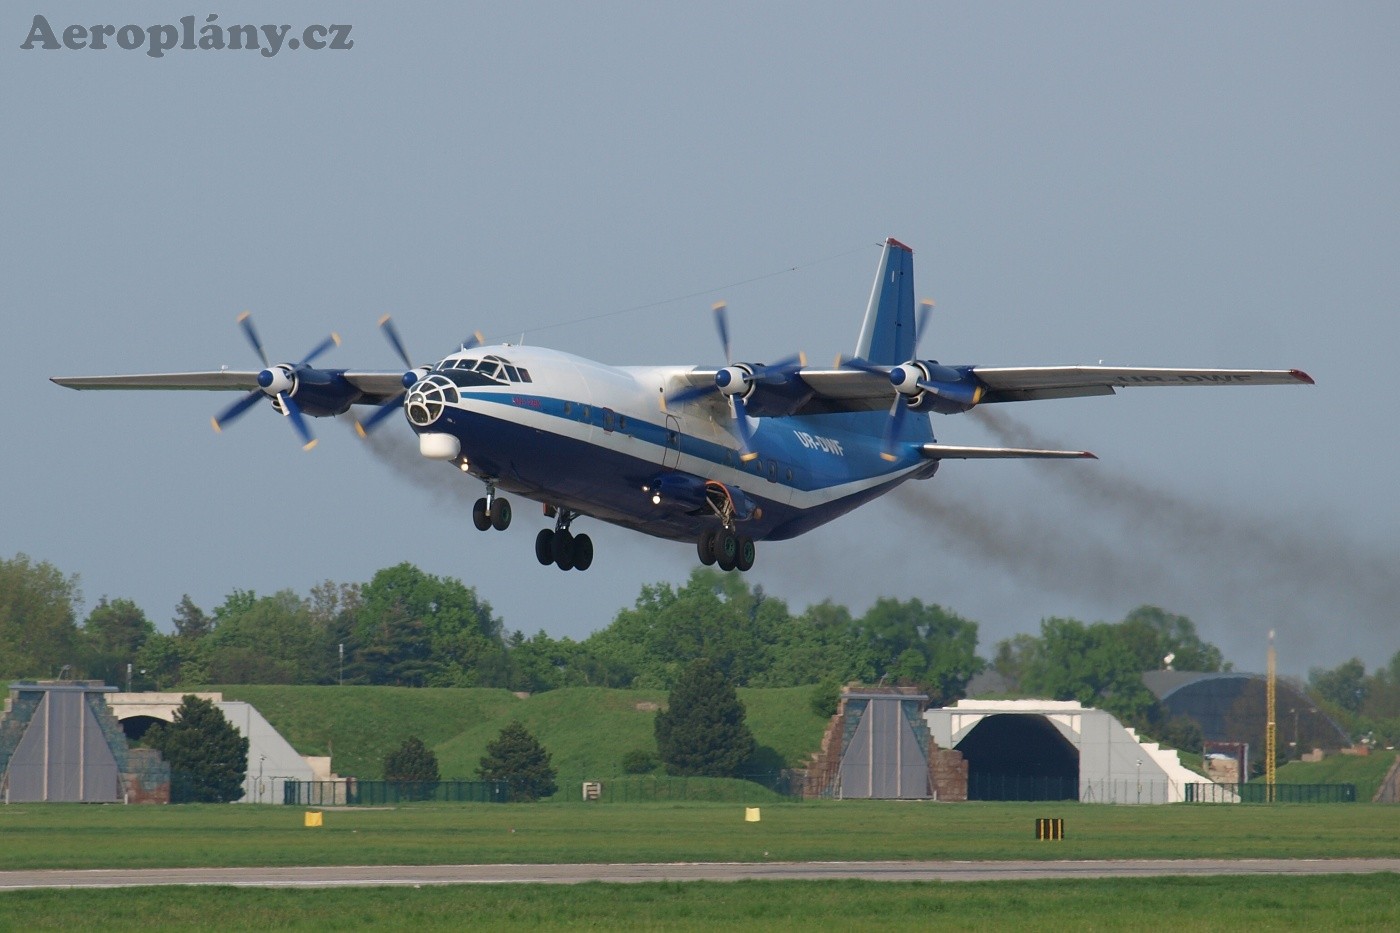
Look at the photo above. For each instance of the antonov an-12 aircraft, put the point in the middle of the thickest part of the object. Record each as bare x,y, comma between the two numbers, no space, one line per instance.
720,458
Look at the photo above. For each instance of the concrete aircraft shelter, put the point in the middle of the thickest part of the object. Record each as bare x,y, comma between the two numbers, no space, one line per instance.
1056,750
271,759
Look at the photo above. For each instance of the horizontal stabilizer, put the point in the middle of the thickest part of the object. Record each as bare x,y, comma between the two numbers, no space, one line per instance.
950,452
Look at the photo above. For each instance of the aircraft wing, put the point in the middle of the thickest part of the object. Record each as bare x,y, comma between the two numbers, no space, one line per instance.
822,391
1028,383
377,386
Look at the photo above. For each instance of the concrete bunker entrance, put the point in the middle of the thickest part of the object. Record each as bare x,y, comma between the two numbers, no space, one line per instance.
1019,756
136,727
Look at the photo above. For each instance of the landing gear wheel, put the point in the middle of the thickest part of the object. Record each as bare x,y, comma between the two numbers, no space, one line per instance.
583,552
706,545
726,549
499,514
564,550
743,560
544,546
480,518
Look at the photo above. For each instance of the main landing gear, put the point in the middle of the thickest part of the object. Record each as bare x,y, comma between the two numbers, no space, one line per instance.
562,548
722,546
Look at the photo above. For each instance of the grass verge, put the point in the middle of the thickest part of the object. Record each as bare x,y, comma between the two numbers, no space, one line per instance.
1226,903
78,836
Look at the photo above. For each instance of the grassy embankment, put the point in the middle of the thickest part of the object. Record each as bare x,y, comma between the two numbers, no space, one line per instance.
1365,771
587,730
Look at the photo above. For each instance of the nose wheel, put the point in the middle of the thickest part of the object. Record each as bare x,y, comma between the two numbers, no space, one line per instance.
491,511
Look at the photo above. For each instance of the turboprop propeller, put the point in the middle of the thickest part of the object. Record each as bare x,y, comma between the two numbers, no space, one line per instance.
737,380
411,375
949,389
277,381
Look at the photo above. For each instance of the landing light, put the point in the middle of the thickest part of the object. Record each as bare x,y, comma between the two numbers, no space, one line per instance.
656,498
465,466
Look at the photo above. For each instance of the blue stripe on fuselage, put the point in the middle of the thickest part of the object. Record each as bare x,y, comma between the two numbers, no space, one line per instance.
801,455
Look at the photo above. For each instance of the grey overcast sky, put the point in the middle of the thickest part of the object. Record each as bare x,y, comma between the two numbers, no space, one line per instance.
1187,184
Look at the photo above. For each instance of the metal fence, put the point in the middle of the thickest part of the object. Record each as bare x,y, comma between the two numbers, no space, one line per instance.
651,789
1259,792
351,792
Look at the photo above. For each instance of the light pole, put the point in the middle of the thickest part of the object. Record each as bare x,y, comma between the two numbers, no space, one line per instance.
1139,781
340,681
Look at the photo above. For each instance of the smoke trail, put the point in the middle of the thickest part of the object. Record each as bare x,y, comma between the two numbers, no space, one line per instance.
442,482
1325,592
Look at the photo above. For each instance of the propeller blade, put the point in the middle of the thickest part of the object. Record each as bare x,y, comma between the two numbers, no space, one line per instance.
722,323
475,340
332,341
892,426
741,420
855,362
921,323
236,410
690,393
245,320
363,428
779,371
386,324
293,410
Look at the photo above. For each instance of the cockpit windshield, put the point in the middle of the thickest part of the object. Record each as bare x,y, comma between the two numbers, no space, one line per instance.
489,370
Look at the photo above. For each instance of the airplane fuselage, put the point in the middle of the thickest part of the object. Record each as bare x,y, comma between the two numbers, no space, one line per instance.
601,441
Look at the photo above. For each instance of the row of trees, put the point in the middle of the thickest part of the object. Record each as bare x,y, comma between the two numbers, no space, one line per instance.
406,627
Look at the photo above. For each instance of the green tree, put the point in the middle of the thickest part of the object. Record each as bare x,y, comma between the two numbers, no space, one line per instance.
208,756
190,621
924,645
411,761
38,629
1091,664
268,640
112,638
702,729
517,758
413,629
1345,685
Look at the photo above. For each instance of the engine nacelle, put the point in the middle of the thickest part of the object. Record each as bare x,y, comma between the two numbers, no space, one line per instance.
928,386
278,379
413,375
734,380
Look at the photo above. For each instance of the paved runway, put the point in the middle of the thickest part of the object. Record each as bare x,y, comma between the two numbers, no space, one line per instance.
415,875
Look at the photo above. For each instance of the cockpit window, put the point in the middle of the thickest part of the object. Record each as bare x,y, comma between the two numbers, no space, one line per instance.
490,370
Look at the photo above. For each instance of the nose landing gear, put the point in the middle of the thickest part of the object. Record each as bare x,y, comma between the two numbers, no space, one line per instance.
491,511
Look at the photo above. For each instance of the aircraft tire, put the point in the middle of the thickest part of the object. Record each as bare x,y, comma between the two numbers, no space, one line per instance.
706,545
480,518
544,546
583,552
564,550
500,514
744,558
726,549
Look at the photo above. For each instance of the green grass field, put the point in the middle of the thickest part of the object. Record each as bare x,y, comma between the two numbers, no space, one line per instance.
76,836
1365,771
1360,902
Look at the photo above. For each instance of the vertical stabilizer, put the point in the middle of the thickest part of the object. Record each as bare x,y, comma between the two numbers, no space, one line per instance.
887,335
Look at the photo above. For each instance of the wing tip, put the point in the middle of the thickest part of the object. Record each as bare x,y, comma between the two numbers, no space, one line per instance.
1303,377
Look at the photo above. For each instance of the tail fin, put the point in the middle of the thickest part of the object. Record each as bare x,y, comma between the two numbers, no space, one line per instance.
887,334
